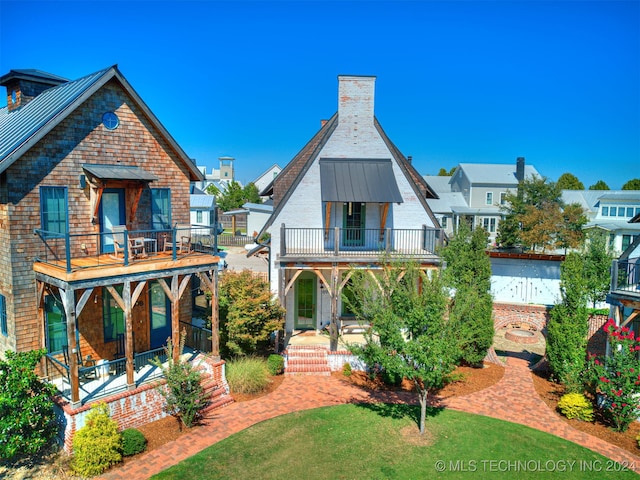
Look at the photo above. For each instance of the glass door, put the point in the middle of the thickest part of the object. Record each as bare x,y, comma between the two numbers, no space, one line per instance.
305,311
160,314
112,212
353,224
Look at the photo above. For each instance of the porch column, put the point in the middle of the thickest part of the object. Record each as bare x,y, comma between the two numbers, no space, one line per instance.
69,305
333,326
175,318
128,334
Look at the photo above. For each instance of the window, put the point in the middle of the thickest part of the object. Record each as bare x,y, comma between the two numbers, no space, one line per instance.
112,316
503,198
621,211
626,241
605,211
161,208
53,209
443,223
637,210
3,316
629,212
489,224
489,200
348,297
56,324
613,211
199,216
354,214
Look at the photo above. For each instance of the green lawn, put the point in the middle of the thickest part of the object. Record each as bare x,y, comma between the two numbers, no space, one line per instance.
379,442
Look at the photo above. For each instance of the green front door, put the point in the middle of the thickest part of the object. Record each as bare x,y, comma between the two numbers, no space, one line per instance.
353,224
305,312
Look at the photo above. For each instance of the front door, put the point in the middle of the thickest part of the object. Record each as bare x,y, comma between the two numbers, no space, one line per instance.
160,315
112,212
305,311
353,215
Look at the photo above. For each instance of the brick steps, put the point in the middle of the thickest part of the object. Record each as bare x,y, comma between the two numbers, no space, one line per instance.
218,396
307,361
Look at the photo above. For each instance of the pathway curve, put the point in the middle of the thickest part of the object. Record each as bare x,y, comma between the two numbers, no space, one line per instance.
513,399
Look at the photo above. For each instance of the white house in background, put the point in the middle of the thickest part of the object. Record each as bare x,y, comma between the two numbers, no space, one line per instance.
611,212
256,215
218,176
266,177
476,191
348,196
202,209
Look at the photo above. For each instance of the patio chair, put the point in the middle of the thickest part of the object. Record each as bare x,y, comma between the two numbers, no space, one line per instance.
136,245
183,239
86,368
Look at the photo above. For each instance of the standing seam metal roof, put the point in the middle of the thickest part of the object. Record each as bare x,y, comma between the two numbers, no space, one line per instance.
17,127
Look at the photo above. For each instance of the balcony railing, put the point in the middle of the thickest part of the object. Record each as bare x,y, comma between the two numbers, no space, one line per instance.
76,251
342,242
625,276
108,377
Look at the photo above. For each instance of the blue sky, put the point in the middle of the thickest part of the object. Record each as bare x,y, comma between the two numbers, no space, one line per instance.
557,82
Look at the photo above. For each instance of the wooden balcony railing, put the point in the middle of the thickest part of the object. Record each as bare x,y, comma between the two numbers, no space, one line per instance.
76,251
625,276
352,242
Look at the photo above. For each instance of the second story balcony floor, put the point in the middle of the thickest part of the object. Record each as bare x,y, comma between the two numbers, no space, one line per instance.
352,244
121,251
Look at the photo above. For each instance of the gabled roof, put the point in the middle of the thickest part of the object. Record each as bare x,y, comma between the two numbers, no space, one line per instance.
494,173
439,183
23,128
275,166
202,201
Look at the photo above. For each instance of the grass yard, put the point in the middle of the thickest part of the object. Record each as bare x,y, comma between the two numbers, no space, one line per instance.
382,442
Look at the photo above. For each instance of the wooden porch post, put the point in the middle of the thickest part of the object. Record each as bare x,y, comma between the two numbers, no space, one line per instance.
128,334
333,326
69,306
175,318
215,319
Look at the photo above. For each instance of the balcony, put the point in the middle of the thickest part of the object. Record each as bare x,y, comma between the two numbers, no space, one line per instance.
625,277
82,251
351,243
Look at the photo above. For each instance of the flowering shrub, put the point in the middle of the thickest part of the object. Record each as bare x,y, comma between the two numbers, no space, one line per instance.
617,377
576,405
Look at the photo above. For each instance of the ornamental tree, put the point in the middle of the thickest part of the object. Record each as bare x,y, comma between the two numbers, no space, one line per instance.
617,376
409,336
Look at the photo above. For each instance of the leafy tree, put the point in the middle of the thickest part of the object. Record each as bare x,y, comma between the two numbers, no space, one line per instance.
443,172
248,313
537,218
597,264
599,185
469,273
568,325
27,418
409,336
633,184
568,181
184,394
233,195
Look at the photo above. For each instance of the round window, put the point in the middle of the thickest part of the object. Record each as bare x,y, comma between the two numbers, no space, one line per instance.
110,120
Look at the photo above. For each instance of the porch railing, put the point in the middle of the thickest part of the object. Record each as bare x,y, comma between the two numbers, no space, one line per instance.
197,338
625,276
76,251
335,242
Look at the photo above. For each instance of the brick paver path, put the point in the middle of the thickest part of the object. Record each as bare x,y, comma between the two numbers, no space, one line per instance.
513,399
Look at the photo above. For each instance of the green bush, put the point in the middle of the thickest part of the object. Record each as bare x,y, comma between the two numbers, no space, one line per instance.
27,418
275,364
346,369
183,393
576,405
247,375
133,442
98,445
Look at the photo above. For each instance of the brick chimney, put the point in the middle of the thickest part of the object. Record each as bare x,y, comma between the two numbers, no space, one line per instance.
355,99
520,169
24,85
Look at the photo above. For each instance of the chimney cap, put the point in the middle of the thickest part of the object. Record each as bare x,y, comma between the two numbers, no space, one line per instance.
32,75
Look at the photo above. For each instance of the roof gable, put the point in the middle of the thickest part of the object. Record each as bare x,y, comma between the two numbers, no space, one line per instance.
23,128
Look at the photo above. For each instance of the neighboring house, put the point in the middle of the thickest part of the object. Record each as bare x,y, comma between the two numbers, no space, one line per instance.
265,179
91,186
346,198
609,211
203,212
475,192
218,177
624,295
254,216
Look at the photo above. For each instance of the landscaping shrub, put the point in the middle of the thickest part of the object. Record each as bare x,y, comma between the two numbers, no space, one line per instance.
247,375
133,442
27,418
98,445
275,364
346,369
183,393
576,405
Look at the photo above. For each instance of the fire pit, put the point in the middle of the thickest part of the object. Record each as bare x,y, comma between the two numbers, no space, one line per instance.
520,336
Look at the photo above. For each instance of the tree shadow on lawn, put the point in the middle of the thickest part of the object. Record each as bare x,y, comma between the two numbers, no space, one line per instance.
400,410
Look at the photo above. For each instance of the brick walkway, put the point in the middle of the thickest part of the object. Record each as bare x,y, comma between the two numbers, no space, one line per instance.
513,399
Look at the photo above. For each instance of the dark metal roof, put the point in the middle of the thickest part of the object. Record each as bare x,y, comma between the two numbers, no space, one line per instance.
32,75
358,180
119,172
